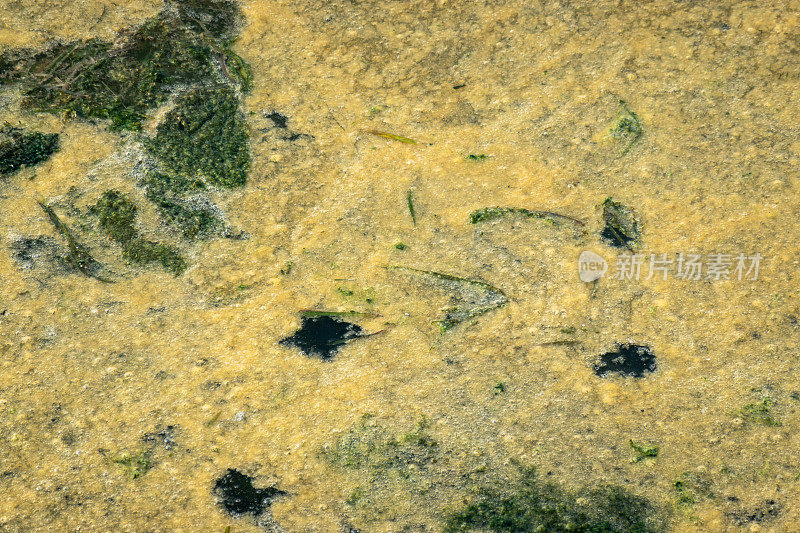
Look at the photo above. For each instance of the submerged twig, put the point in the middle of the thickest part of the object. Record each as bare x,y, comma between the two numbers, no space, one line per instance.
391,136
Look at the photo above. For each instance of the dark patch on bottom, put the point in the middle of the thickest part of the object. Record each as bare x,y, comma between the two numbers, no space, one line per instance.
763,513
322,336
238,496
33,252
633,360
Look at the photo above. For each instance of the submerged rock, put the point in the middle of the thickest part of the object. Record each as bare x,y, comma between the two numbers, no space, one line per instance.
238,496
322,336
633,360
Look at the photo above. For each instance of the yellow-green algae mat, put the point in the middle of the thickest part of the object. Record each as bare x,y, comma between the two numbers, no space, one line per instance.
314,266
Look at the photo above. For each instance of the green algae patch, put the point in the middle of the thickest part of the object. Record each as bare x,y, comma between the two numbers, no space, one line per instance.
117,217
186,44
627,127
135,465
205,136
181,58
533,505
144,252
19,148
370,446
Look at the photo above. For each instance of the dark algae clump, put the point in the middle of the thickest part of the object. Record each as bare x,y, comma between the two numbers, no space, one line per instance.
322,336
206,136
533,505
187,43
194,218
19,148
621,229
632,360
238,496
182,56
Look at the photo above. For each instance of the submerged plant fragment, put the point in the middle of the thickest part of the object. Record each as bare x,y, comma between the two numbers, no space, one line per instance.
627,127
632,360
411,210
472,298
19,148
491,213
532,505
621,229
391,136
322,335
78,256
237,495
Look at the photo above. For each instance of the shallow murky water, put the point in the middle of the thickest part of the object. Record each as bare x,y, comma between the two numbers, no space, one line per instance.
122,403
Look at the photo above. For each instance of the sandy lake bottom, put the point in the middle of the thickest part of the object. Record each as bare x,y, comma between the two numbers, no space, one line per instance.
472,351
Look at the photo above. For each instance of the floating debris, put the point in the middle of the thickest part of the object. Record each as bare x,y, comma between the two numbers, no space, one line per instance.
627,127
322,335
19,149
632,360
473,297
238,496
78,256
622,229
491,213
